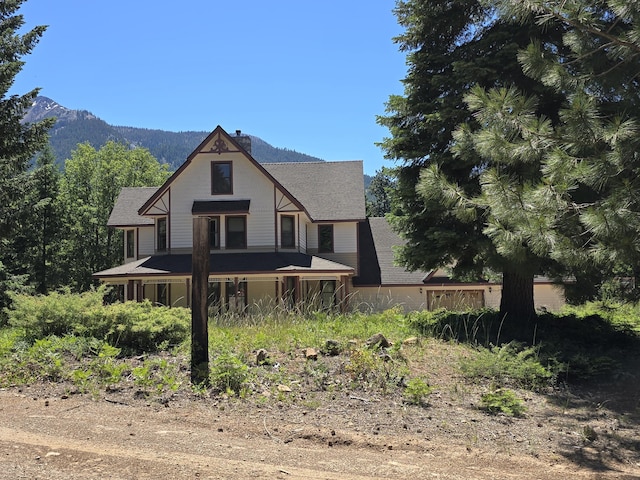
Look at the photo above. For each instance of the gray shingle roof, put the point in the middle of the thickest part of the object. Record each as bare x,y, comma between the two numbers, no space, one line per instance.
328,190
125,211
384,239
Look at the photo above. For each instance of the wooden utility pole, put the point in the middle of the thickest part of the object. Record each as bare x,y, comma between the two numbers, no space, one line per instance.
199,313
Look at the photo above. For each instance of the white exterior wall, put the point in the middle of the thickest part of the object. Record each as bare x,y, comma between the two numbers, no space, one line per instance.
146,238
248,183
345,237
547,296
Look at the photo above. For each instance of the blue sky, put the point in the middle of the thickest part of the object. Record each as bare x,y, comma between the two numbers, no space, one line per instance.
305,75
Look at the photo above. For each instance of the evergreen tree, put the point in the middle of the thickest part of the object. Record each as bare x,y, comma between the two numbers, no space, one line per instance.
586,212
452,46
44,236
378,193
19,142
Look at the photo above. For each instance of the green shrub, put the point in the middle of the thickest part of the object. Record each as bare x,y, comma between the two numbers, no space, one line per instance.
417,391
481,326
510,364
503,401
139,327
228,373
57,313
134,327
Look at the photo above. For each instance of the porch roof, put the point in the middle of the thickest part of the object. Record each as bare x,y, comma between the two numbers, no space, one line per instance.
220,207
228,264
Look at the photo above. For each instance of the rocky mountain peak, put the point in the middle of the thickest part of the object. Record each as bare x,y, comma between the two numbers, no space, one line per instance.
44,107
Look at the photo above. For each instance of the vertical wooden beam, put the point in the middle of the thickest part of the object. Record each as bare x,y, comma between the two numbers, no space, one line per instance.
199,282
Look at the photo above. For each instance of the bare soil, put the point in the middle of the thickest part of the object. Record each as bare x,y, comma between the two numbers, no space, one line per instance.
312,430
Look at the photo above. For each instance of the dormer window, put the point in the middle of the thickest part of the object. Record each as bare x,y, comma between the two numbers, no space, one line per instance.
221,178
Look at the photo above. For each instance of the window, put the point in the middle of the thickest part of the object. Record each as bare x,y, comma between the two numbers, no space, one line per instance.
213,298
221,178
289,295
287,231
236,232
328,293
131,246
325,238
236,297
161,234
162,294
214,232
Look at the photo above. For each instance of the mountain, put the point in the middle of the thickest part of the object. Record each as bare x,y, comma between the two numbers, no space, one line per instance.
79,126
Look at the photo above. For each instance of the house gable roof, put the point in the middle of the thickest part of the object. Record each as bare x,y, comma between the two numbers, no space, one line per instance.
125,210
218,141
329,191
377,242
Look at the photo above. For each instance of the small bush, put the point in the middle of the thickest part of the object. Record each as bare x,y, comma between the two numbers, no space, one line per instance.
510,364
228,373
417,391
503,401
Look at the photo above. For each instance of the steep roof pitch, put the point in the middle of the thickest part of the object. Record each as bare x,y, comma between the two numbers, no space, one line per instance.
220,146
377,243
125,210
329,191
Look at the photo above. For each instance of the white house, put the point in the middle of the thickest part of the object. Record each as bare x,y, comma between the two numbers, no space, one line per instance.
278,232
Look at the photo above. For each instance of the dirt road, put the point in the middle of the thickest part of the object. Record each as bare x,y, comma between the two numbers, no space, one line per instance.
76,437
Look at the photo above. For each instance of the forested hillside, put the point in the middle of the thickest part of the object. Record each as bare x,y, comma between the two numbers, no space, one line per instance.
79,126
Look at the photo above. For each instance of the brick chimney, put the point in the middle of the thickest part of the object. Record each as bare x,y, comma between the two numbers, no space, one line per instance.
243,140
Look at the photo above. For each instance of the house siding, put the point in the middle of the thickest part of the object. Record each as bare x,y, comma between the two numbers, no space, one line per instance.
248,183
145,238
345,237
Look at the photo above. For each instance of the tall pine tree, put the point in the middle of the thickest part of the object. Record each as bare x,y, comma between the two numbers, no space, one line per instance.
18,142
589,202
452,46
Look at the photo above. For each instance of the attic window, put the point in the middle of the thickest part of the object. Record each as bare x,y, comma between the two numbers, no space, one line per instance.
221,178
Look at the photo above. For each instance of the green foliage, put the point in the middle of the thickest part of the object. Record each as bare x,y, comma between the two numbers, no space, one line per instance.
438,205
58,313
374,368
475,326
502,400
135,327
510,364
228,373
138,326
417,391
378,193
90,185
20,142
157,376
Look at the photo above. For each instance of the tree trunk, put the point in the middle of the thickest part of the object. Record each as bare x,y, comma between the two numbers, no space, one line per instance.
517,296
